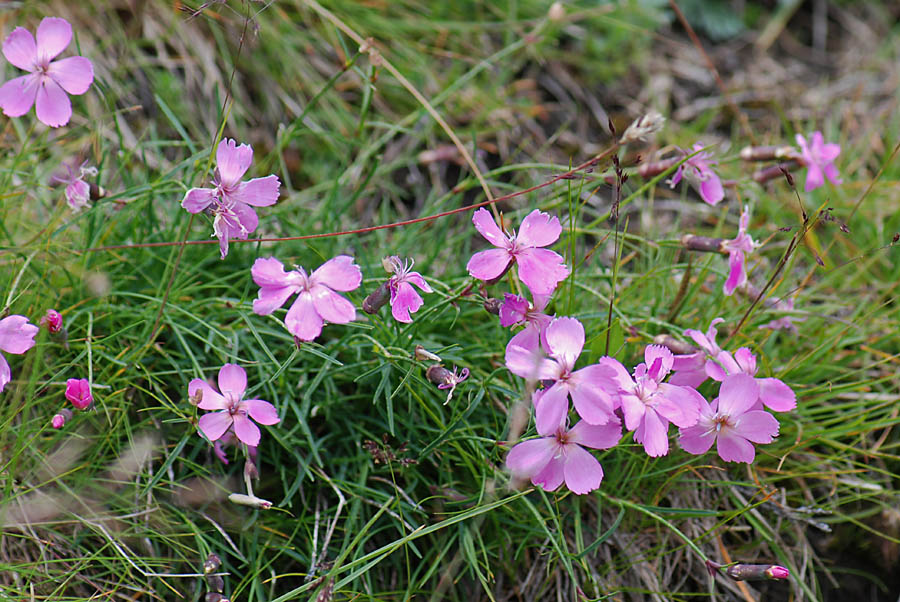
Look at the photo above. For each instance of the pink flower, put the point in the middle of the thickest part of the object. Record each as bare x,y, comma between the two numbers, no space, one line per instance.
78,192
540,269
773,393
60,418
230,199
785,322
317,301
698,172
78,391
517,310
48,81
732,421
235,410
650,404
53,321
559,456
565,340
736,248
690,370
404,298
16,336
819,159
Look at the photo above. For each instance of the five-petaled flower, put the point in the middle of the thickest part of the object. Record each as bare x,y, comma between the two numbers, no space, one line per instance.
16,336
230,199
736,249
732,421
819,160
48,82
317,301
404,298
697,169
558,456
78,391
540,269
235,411
773,392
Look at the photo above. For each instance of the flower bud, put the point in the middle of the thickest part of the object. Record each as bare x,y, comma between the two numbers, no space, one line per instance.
769,153
423,355
60,418
212,564
53,321
250,500
702,243
774,171
378,298
756,572
654,168
557,12
78,391
492,306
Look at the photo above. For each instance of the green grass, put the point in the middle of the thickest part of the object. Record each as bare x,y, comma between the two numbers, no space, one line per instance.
127,500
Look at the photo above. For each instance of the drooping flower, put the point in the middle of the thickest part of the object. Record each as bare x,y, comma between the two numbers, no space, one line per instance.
732,422
317,301
404,298
819,159
773,392
52,320
16,336
699,173
48,82
78,192
587,386
649,404
517,310
78,391
540,269
558,456
234,411
230,199
736,249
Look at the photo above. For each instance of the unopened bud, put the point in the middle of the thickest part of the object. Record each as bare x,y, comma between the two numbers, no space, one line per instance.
53,321
769,153
378,298
643,127
212,564
772,172
674,345
702,243
250,500
60,418
757,572
492,306
78,391
215,597
438,375
423,355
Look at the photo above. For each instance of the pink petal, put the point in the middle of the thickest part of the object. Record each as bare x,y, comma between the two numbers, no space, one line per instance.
711,189
679,405
739,392
262,411
676,177
565,339
541,270
245,430
697,439
53,35
667,359
538,229
246,217
529,363
831,172
814,177
78,193
618,373
259,192
633,409
776,395
269,272
583,472
552,476
198,199
75,74
417,279
528,338
52,105
20,50
17,334
757,426
653,434
5,373
215,424
801,141
528,458
551,412
339,274
331,306
211,400
271,298
736,276
596,436
746,361
404,300
490,264
302,320
232,161
734,448
232,379
488,228
592,402
830,152
17,95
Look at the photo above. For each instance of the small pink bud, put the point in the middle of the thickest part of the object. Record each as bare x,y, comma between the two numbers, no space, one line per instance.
756,572
60,418
53,321
777,572
78,391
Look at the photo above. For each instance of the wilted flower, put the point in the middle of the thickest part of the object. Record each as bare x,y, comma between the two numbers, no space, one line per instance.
540,269
16,336
558,456
736,248
78,391
235,411
48,81
819,159
732,422
230,199
404,298
445,379
317,300
699,173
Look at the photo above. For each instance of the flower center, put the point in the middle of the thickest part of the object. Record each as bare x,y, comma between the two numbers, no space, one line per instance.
722,421
232,403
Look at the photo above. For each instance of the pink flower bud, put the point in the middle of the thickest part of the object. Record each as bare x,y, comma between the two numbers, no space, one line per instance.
60,418
756,572
78,391
777,572
53,321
